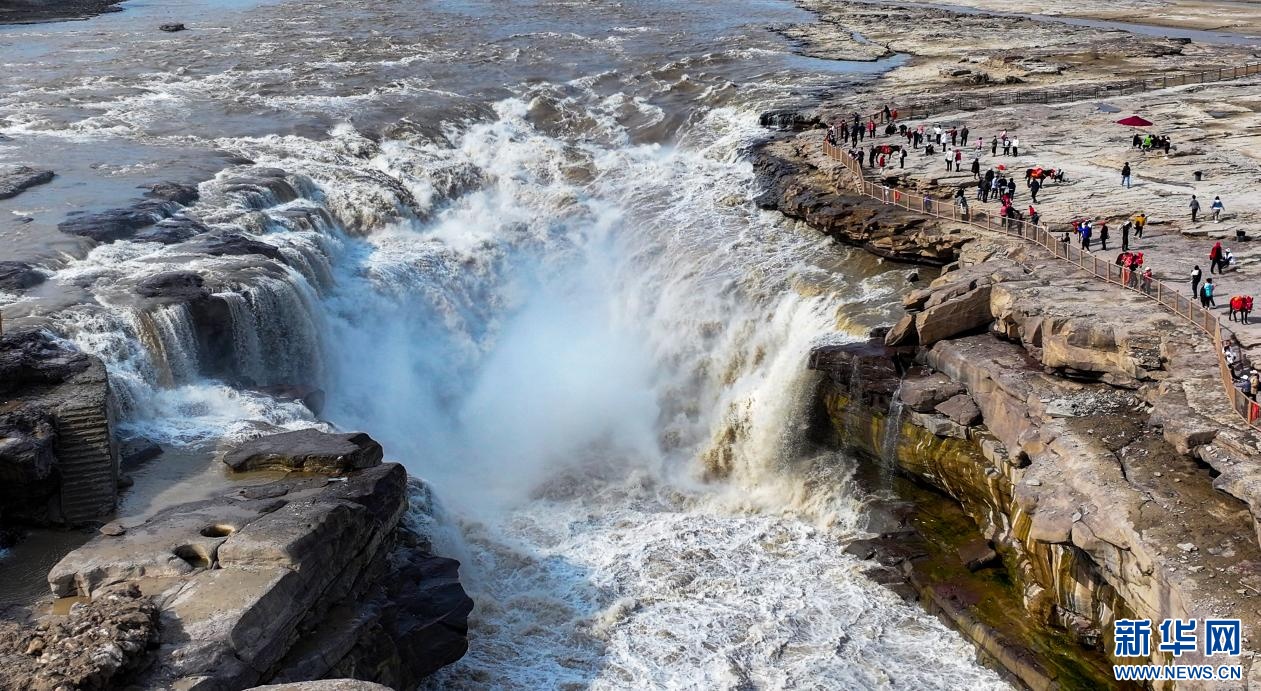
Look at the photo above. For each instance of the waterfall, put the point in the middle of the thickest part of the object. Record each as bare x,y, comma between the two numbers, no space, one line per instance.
889,439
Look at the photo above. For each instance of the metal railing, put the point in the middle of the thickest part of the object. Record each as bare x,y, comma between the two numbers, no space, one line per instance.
1070,94
1041,235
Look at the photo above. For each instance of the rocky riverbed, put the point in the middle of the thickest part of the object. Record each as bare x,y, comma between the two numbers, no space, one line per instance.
1083,430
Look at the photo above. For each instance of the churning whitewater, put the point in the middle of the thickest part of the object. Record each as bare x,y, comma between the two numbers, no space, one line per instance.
515,243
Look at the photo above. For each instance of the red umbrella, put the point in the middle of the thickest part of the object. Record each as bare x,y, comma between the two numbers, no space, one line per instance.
1134,121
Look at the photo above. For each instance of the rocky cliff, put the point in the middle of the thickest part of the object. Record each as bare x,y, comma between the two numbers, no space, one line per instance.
58,458
302,578
1081,429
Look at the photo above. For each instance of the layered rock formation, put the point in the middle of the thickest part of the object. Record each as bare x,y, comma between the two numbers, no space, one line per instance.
800,182
58,459
1075,423
293,580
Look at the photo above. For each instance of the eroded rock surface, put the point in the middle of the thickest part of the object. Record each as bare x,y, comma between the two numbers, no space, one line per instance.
307,450
15,180
288,581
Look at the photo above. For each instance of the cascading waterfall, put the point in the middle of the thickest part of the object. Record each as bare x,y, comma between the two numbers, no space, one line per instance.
555,302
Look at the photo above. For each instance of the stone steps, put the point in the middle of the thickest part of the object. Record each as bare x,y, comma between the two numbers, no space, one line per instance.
89,469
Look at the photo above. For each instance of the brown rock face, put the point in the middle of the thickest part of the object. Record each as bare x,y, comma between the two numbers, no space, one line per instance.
923,393
307,450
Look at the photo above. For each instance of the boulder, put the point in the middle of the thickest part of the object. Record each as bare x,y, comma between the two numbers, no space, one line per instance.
15,180
962,409
19,276
903,333
137,450
175,285
307,450
968,312
922,394
171,28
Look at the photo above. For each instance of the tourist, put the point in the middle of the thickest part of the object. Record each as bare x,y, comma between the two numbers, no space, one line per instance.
1196,275
961,199
963,135
885,113
1195,208
1254,379
1236,306
937,134
1015,146
1140,222
1125,175
1138,140
958,158
1247,310
949,159
902,158
1006,146
1034,186
994,146
1215,259
1103,236
976,169
1228,260
1166,144
1034,216
1125,235
1085,231
1147,280
954,136
995,186
1206,294
1217,208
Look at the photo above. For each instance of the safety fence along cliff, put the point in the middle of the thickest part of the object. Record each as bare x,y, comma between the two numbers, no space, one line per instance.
1041,235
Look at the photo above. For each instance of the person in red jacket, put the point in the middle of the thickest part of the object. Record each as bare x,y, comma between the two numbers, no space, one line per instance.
1215,259
1236,306
1247,309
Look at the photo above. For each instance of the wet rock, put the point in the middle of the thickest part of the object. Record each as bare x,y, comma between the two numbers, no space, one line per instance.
15,180
173,192
978,554
98,646
172,230
116,224
113,529
787,119
171,28
903,333
961,409
174,285
136,450
19,276
307,450
164,200
308,396
32,357
923,393
234,244
324,685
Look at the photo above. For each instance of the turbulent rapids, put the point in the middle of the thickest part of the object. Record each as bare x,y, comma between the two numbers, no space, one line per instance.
516,244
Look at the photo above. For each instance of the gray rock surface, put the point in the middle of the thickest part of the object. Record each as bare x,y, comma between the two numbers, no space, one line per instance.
307,450
289,581
15,180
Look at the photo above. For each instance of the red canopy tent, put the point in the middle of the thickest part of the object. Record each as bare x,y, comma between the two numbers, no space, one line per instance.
1134,121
